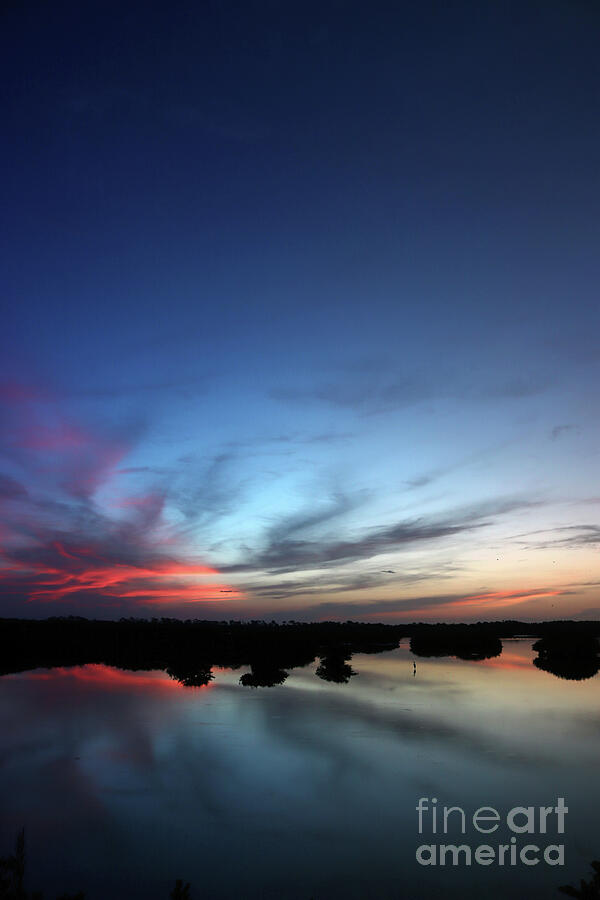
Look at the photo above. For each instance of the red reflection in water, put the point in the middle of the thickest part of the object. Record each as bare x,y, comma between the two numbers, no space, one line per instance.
108,678
510,660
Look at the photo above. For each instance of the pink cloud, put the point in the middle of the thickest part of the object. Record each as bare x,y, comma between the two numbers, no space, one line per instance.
58,571
63,546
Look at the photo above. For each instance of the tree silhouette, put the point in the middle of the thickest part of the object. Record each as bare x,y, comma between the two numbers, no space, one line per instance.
12,871
12,877
181,891
587,890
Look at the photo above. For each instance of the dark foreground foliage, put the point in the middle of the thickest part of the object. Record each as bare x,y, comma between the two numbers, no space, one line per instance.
587,890
12,876
12,879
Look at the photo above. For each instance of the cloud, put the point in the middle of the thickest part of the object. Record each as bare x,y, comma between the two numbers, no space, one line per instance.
560,430
376,389
576,346
207,489
568,536
294,438
187,387
339,505
60,545
366,397
579,535
333,581
285,552
14,392
519,388
445,606
38,436
426,478
131,560
327,437
99,570
76,535
10,489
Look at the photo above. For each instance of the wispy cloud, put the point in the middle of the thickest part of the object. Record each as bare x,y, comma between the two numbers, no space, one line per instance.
578,535
286,551
182,387
332,581
364,396
206,489
58,544
560,536
561,430
520,387
440,607
10,488
424,479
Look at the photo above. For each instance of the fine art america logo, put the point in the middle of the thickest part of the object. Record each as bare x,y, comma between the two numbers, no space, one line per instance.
520,820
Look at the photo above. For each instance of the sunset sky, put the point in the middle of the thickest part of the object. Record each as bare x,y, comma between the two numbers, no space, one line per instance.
301,310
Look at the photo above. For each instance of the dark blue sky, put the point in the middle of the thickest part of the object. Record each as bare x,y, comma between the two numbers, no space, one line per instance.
306,294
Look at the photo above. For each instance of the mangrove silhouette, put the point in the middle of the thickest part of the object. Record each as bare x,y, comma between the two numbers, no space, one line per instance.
574,656
181,891
188,651
587,890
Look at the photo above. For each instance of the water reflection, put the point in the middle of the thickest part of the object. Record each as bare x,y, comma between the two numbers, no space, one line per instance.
263,675
334,667
126,779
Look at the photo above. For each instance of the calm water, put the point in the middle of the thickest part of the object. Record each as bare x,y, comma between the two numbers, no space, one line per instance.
126,780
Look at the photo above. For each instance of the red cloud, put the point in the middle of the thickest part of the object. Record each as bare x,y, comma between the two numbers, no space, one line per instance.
58,571
47,441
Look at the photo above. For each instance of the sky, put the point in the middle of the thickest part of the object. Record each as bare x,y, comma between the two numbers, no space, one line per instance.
300,310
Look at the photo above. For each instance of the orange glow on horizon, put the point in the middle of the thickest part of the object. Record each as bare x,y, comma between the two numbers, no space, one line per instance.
488,600
506,598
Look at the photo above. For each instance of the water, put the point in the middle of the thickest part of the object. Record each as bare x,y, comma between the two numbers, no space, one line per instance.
125,780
